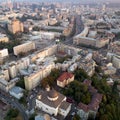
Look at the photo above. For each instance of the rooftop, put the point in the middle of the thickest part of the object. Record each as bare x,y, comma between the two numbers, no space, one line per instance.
65,76
64,105
44,99
16,90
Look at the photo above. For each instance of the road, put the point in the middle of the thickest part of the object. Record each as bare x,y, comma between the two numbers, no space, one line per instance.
79,28
14,103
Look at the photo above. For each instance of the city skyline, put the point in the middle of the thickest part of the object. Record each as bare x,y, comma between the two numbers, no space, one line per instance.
76,1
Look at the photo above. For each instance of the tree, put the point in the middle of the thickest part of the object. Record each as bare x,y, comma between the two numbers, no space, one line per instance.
12,113
78,91
80,75
104,117
23,101
32,117
76,117
21,83
50,79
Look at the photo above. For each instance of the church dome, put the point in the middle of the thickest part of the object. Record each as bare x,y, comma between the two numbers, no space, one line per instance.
52,95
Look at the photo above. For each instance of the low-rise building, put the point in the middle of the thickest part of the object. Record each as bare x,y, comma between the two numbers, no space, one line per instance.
115,59
6,86
3,38
17,92
53,102
91,109
65,79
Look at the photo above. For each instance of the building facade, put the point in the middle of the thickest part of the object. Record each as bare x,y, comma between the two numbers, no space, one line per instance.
15,26
24,48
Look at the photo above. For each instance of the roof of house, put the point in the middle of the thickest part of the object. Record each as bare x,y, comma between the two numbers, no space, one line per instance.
82,106
64,105
65,76
94,104
16,90
52,93
44,99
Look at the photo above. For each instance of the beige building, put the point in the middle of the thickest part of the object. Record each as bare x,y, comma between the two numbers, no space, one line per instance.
65,79
6,86
91,38
44,53
12,70
3,53
98,43
24,48
53,102
3,38
34,79
5,74
115,59
15,26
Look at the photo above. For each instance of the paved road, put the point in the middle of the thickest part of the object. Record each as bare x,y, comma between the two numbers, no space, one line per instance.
79,29
14,103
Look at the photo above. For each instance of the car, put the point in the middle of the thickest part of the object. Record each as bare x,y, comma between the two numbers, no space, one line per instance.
70,100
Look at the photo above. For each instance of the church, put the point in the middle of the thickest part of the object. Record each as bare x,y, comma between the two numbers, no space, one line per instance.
52,102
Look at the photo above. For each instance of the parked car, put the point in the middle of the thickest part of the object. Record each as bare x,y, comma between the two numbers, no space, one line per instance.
70,100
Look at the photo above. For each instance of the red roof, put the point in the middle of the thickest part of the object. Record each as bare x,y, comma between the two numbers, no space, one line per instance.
65,76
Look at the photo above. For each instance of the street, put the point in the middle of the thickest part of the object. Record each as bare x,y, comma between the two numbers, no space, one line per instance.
14,103
79,28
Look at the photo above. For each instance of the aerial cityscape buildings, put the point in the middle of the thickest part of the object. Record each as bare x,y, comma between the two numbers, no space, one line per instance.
59,60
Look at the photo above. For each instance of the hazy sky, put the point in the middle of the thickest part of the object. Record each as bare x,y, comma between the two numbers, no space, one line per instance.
80,1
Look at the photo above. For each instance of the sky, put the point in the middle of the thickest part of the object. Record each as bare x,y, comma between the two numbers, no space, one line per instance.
83,0
80,1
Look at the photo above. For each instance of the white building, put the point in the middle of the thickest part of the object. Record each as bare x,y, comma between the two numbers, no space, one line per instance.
53,103
3,53
6,86
115,59
17,92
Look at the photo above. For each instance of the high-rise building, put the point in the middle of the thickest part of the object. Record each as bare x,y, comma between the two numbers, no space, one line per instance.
15,26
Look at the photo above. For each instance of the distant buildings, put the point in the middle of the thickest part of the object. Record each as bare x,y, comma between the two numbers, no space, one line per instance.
53,103
38,65
15,26
91,39
115,59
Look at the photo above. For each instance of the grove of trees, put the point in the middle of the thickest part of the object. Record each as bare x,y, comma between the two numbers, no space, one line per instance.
51,79
12,113
78,91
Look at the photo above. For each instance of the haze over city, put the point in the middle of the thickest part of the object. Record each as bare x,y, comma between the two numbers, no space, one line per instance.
59,60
